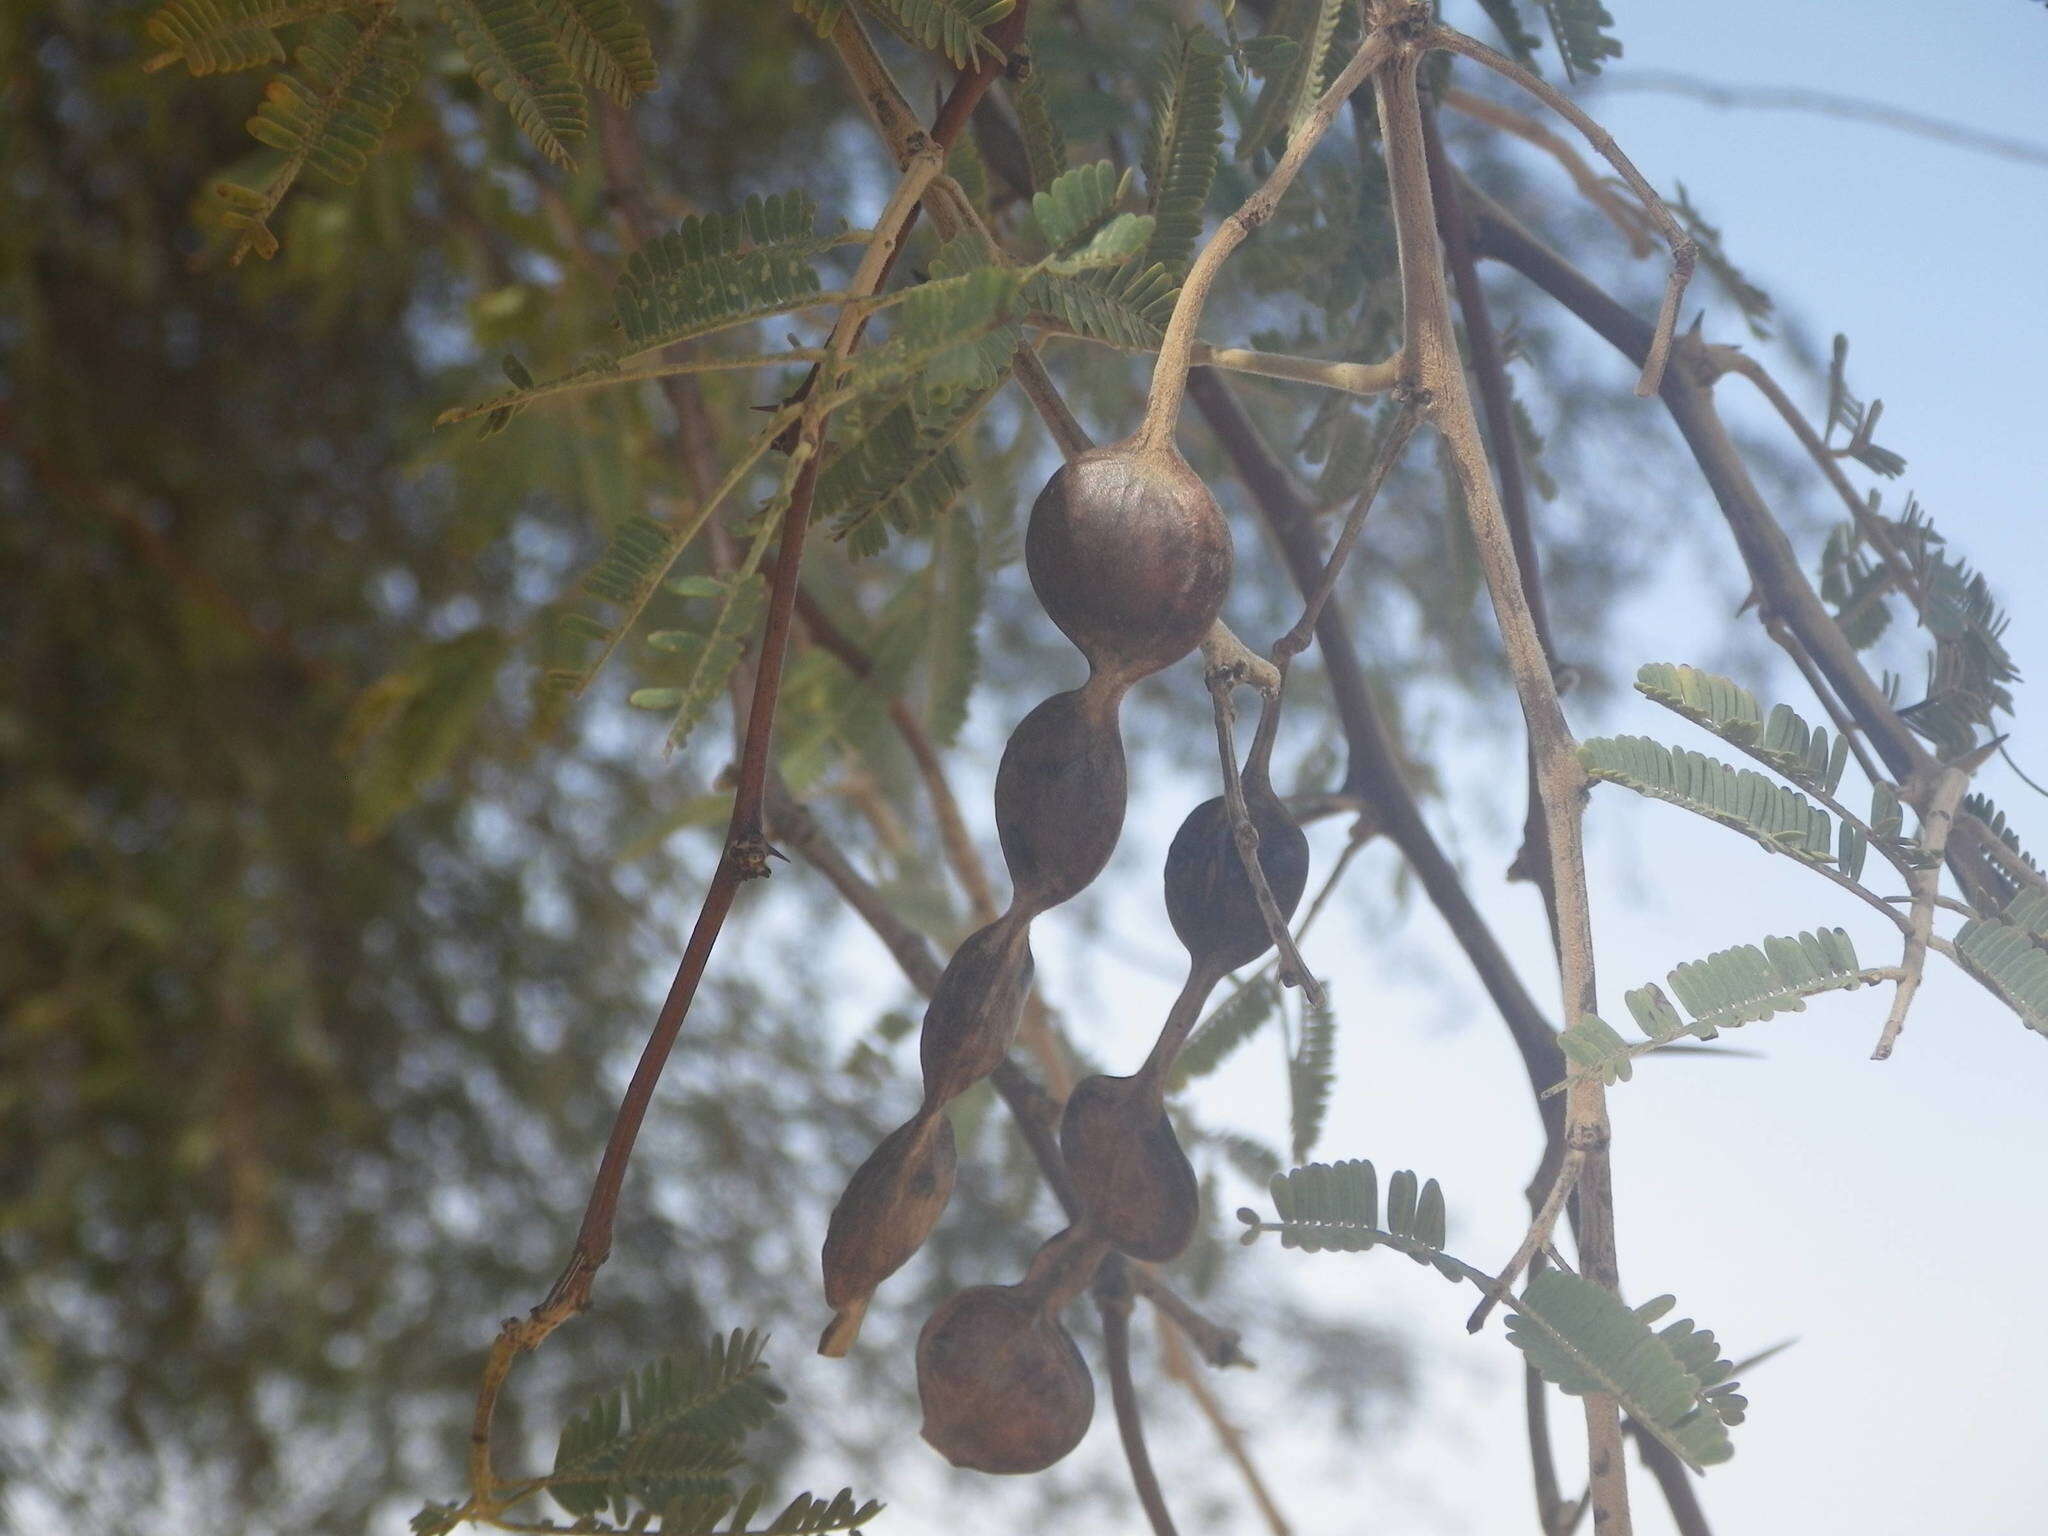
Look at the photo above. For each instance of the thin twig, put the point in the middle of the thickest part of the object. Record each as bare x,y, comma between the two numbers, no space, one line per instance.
1374,771
1542,1458
607,378
1734,360
1176,348
1934,830
1534,1240
1674,1481
745,857
1035,1111
1363,379
1684,250
1773,566
1844,724
1113,1303
1385,457
1223,679
961,856
1825,104
1489,369
1627,217
1429,344
1179,1368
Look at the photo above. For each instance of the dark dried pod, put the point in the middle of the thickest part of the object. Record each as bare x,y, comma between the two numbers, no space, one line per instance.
889,1208
972,1017
1003,1387
1128,1168
1131,557
1060,794
1209,898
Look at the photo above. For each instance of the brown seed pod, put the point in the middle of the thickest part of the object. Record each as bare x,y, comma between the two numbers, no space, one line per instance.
1003,1387
1131,557
888,1210
1209,898
1060,794
972,1017
1128,1168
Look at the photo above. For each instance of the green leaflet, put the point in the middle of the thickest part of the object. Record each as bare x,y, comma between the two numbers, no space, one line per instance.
1336,1207
1291,90
1182,149
216,36
326,116
1584,1340
1578,1336
1045,147
956,28
1078,205
638,555
1980,806
1781,819
900,474
1517,40
1805,754
1310,1076
407,727
1857,585
672,1433
709,656
351,82
716,270
1580,27
2009,955
1729,988
604,45
1851,416
513,52
1125,307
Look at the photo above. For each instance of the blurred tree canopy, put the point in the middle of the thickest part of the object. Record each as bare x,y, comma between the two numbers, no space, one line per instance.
310,1030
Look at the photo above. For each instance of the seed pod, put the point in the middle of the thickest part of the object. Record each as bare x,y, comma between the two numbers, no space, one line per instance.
1128,1167
1002,1385
1209,898
888,1210
1060,794
972,1017
1131,557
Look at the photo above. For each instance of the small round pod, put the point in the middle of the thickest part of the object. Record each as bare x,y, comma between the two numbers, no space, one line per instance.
1130,555
1003,1387
1209,898
972,1017
889,1208
1060,795
1128,1167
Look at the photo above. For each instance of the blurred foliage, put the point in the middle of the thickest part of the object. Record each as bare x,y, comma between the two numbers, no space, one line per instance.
314,999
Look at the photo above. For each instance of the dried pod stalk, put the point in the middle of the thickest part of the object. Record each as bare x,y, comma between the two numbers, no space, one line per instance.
1131,557
1127,1165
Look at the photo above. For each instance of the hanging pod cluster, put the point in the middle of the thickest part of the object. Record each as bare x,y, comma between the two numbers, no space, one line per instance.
1131,557
1002,1385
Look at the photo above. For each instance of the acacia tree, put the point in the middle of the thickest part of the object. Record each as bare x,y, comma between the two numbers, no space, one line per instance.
1028,262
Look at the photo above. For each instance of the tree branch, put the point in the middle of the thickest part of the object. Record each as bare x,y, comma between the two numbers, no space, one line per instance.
1430,348
1774,569
1489,368
1113,1304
